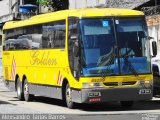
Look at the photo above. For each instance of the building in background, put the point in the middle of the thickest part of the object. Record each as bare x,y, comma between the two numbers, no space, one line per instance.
10,10
131,4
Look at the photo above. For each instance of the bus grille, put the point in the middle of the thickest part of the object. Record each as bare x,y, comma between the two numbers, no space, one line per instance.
119,83
129,83
111,84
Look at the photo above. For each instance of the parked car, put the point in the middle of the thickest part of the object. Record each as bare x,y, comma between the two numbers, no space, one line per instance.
156,77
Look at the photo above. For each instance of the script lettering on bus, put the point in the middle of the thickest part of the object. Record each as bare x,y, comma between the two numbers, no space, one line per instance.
42,58
6,53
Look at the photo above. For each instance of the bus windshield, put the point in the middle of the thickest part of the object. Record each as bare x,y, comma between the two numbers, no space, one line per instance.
114,47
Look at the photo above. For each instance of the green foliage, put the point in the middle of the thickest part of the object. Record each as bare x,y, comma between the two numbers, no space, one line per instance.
55,5
43,2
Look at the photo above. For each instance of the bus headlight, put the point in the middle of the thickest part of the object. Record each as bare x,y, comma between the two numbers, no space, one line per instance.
145,83
92,85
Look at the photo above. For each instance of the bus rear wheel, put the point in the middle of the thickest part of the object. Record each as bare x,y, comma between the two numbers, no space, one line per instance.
127,104
20,94
68,97
27,95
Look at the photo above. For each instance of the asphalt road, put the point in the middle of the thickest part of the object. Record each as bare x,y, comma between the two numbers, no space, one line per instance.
142,110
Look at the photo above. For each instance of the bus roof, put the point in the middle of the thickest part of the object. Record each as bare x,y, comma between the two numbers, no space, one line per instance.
80,13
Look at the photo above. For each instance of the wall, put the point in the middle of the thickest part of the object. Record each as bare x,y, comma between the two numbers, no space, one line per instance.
74,4
4,5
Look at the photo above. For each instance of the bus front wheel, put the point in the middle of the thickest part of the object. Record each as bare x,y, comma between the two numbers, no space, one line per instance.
27,95
68,97
126,104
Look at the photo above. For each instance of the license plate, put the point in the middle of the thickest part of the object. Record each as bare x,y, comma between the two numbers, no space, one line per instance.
94,94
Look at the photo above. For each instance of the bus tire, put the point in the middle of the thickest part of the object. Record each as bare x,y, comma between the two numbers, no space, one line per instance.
126,104
27,95
68,97
19,90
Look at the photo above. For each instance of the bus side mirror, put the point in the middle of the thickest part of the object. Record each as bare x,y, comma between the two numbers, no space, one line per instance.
154,48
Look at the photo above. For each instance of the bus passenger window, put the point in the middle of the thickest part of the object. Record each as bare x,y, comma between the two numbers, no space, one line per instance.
53,35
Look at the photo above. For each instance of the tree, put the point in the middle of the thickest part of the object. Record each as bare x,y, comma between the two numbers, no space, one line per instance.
54,5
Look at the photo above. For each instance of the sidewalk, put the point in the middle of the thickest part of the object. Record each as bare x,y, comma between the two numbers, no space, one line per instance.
7,104
2,86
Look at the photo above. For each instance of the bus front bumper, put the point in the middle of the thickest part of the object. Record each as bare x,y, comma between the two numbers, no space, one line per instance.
111,94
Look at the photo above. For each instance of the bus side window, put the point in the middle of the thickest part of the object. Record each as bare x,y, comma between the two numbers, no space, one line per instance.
53,34
73,46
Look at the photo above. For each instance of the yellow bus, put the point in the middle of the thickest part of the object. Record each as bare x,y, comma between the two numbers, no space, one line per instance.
92,55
